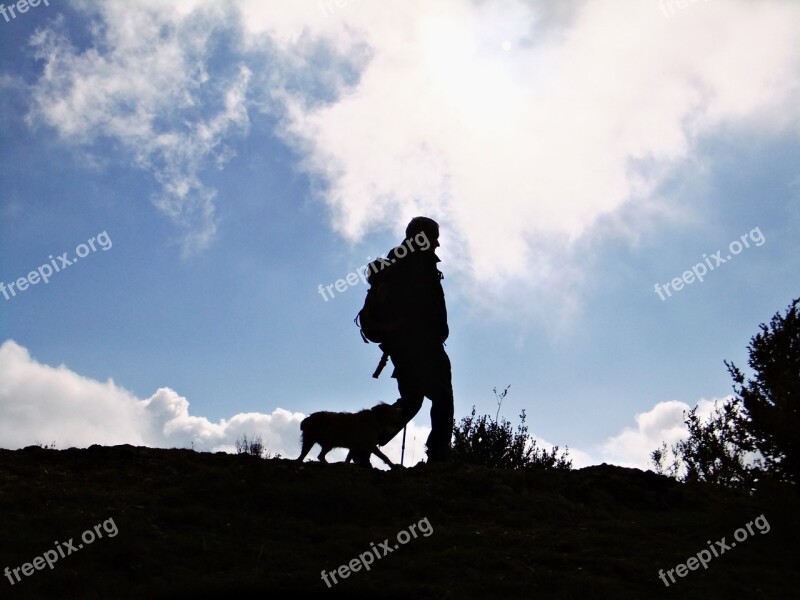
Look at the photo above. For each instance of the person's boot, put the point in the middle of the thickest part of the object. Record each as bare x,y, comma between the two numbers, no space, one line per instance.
440,454
389,435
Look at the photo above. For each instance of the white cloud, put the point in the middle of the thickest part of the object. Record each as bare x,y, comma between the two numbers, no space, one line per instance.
44,404
662,423
518,124
520,152
144,84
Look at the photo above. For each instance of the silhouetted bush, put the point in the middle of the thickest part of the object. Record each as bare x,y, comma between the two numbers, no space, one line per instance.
771,400
492,443
718,450
754,435
253,447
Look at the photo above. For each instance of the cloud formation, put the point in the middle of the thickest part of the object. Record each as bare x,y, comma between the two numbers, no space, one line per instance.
44,404
521,126
145,84
521,131
662,423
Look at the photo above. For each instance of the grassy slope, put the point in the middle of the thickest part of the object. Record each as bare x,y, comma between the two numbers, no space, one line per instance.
216,525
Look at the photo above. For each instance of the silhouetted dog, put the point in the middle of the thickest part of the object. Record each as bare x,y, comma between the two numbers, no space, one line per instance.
358,432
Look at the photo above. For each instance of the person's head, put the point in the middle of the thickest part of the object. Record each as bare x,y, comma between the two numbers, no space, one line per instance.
423,227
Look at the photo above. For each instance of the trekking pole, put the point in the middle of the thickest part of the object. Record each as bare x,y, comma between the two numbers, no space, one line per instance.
403,447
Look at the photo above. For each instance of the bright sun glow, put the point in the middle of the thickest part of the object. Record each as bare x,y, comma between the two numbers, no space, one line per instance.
473,80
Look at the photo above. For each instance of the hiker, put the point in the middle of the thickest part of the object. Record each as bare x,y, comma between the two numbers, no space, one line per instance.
416,347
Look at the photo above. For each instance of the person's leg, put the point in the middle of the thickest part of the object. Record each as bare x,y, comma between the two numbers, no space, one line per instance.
410,401
440,391
412,394
441,428
410,376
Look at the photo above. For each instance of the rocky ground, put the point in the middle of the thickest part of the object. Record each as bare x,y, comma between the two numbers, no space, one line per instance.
179,523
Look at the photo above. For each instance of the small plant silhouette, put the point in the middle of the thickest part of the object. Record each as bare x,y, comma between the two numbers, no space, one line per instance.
51,446
481,440
253,446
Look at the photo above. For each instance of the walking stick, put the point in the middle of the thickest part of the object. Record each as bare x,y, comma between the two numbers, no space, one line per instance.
403,447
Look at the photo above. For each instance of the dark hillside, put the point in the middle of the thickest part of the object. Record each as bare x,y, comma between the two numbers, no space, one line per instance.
202,525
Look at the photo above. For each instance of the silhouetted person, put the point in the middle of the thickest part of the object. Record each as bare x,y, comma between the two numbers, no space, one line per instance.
421,365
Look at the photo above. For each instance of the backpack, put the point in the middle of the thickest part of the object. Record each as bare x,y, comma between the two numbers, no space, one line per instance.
379,319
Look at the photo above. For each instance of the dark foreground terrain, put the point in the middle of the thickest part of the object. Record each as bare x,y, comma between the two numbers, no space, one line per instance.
201,525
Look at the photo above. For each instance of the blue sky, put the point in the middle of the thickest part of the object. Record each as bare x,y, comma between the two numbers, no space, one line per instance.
238,155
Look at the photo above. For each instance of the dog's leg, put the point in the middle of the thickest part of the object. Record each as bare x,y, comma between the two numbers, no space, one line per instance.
376,451
359,457
306,449
323,453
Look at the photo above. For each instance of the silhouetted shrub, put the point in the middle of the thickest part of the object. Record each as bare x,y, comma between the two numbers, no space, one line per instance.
718,450
771,399
753,435
492,443
253,447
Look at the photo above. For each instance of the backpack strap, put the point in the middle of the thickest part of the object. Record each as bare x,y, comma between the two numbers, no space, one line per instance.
357,321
